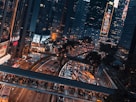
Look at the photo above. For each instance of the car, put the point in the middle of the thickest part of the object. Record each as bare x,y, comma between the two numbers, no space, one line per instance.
52,70
81,92
55,87
60,99
62,88
71,90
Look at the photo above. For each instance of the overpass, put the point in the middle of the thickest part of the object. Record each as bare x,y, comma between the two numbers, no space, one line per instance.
45,83
73,58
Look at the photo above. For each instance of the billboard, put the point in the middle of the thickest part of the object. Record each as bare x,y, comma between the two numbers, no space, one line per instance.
3,48
44,38
36,38
116,3
107,19
54,36
15,38
87,0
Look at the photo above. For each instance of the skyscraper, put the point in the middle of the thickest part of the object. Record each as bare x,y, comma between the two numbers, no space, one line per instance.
94,18
6,10
129,26
95,14
128,38
16,25
25,24
43,17
132,51
79,20
133,43
68,15
106,23
118,21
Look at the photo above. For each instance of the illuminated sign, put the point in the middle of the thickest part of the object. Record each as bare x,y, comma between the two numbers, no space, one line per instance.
87,0
15,38
107,19
36,38
116,3
44,38
15,43
54,36
3,48
124,14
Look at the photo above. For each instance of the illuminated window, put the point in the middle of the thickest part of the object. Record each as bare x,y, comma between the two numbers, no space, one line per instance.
42,5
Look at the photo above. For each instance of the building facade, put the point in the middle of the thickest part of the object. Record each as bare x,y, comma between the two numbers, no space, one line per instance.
118,19
127,41
94,19
129,26
6,14
79,20
95,14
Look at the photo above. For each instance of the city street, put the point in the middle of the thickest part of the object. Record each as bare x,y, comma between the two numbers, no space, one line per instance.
71,100
25,95
78,71
67,51
32,96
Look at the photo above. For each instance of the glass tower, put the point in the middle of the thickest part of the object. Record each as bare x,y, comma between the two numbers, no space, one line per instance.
129,26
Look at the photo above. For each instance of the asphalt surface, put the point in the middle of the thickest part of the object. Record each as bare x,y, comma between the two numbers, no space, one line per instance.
24,95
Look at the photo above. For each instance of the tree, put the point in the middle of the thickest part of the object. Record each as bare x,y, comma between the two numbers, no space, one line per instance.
94,58
107,48
120,96
108,59
87,39
110,52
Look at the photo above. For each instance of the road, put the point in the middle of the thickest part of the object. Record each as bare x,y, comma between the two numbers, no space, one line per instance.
71,100
32,96
25,95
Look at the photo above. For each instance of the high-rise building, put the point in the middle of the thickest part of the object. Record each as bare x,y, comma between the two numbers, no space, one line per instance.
117,23
79,19
25,24
112,24
127,41
52,15
6,11
94,18
132,51
129,26
70,13
133,43
106,23
43,17
96,13
16,25
7,8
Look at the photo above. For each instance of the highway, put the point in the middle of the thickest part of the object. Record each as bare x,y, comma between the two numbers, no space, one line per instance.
71,100
32,96
24,95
